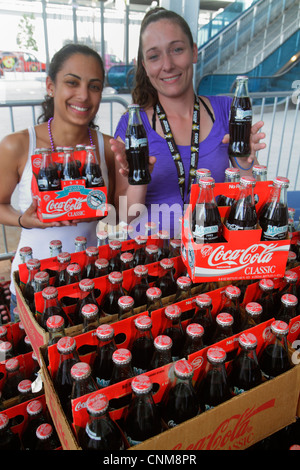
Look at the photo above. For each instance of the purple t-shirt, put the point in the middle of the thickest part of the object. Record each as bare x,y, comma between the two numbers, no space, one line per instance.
163,188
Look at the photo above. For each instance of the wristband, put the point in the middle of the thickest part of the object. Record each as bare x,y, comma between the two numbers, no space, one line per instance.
241,168
19,222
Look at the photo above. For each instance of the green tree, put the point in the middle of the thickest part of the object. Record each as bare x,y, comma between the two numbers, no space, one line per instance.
25,36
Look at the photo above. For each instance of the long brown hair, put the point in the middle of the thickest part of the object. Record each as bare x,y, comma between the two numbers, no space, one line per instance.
144,93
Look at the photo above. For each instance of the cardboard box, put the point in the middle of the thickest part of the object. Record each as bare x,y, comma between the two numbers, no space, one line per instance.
73,200
243,255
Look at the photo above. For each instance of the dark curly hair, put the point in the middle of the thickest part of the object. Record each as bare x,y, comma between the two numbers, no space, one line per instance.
56,65
144,93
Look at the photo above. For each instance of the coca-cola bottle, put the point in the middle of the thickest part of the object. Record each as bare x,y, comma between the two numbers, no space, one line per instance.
151,229
63,258
289,287
122,368
143,418
55,247
292,258
140,285
273,217
140,252
88,271
127,231
126,304
25,253
14,375
126,261
68,357
151,257
35,417
8,439
46,438
274,357
260,172
114,255
91,170
162,351
101,432
25,391
164,250
33,266
175,247
56,329
136,147
101,267
173,329
87,296
83,384
232,306
242,214
291,220
102,237
266,298
73,273
206,223
193,339
240,120
6,350
213,388
90,314
80,243
41,280
166,281
154,302
203,316
202,172
52,306
183,292
224,324
232,175
109,305
288,308
47,178
180,402
142,345
245,373
103,364
253,315
70,170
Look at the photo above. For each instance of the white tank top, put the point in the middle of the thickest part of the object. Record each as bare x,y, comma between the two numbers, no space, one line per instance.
38,239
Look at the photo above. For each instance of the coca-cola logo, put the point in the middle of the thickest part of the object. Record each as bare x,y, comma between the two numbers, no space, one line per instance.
258,253
63,207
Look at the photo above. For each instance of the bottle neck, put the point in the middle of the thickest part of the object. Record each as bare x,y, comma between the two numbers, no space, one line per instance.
241,90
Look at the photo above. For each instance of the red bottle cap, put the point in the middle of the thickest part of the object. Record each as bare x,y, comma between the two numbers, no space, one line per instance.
173,312
126,257
248,340
203,300
140,270
184,281
64,257
115,277
163,234
33,263
80,240
115,244
102,234
141,239
291,276
254,309
73,268
216,355
80,371
55,322
3,331
66,345
282,181
152,249
89,310
279,327
224,319
125,301
206,181
232,291
154,293
101,263
167,263
141,384
289,300
195,330
266,284
50,292
143,322
97,404
24,386
55,244
175,243
163,342
86,285
104,332
121,356
44,431
4,420
34,407
26,250
248,181
5,347
91,251
41,276
12,364
183,369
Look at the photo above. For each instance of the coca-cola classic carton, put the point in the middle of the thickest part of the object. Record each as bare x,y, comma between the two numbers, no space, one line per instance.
243,255
73,201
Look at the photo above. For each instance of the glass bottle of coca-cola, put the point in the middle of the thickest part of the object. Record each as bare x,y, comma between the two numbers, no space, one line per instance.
232,175
162,351
288,308
46,438
70,170
102,237
83,384
87,296
51,307
68,357
202,172
103,364
55,247
224,323
56,329
142,345
242,214
154,302
143,418
63,258
183,292
41,280
35,417
91,170
289,287
101,432
213,388
101,267
240,120
8,439
292,258
140,285
175,248
259,172
273,217
127,232
73,273
245,373
33,266
90,315
274,357
109,305
193,339
166,281
203,316
206,223
136,147
151,257
126,259
114,255
47,178
88,271
151,229
126,304
180,402
232,306
6,350
164,250
173,329
25,253
140,252
253,315
80,243
266,299
25,391
122,368
14,375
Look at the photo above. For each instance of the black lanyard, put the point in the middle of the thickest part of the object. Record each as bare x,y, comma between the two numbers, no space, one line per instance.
174,149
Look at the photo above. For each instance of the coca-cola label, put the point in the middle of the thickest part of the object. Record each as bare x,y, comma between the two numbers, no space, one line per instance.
274,232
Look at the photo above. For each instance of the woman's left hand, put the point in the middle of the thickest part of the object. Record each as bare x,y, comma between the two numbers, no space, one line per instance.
255,138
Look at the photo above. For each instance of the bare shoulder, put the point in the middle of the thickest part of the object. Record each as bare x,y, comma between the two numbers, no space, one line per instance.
15,146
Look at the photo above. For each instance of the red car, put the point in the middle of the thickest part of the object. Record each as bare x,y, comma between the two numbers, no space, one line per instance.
20,62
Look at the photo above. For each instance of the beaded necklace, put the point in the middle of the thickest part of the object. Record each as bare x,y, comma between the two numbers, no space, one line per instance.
51,138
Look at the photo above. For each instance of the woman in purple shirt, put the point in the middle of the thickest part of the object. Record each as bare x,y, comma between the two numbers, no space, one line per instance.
164,89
